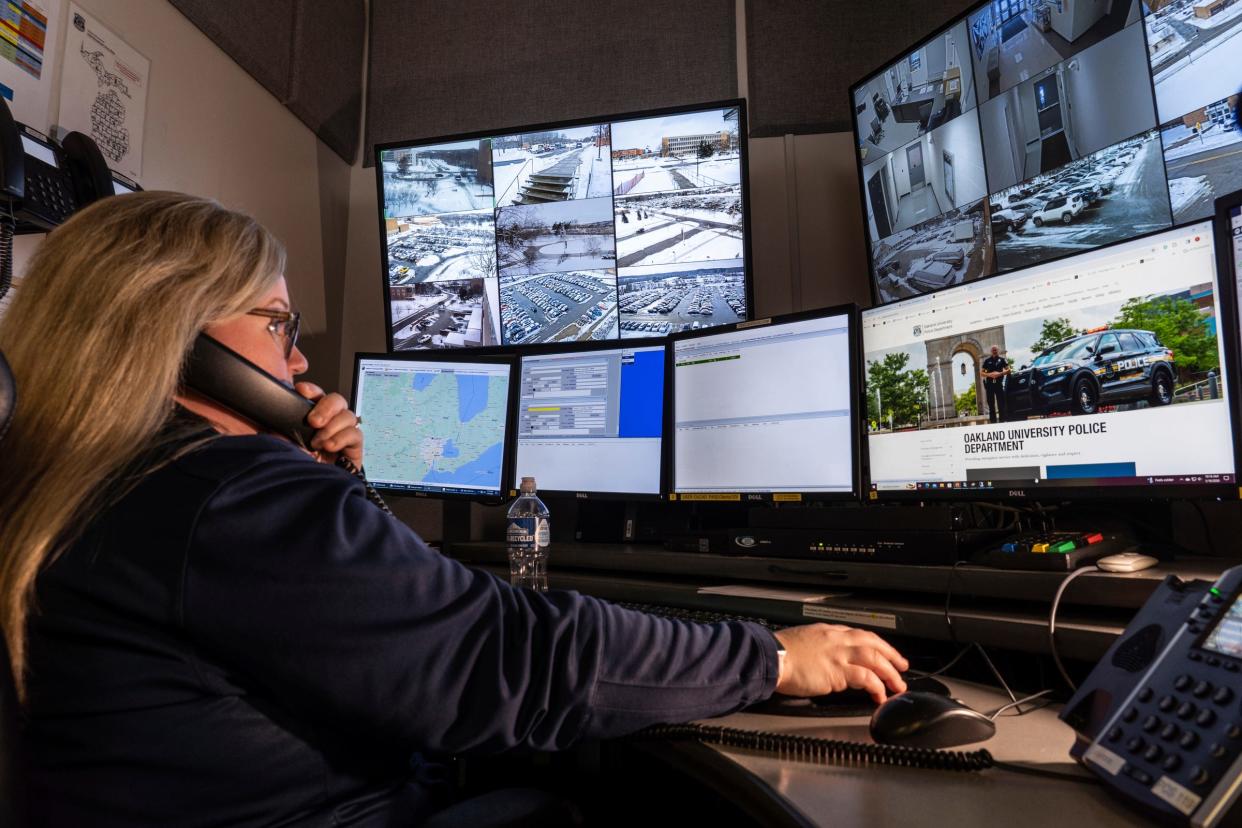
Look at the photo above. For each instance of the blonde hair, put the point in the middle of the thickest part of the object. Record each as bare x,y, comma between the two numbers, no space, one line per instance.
97,336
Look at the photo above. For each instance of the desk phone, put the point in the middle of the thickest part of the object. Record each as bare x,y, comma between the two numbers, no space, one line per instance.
1173,742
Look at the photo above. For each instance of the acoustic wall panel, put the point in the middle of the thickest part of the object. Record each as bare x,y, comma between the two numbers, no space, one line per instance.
802,55
308,54
444,68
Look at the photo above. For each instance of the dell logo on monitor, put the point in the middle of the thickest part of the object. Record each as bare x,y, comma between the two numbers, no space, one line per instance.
1017,492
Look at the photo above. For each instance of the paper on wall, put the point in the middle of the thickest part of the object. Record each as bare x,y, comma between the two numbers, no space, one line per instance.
103,91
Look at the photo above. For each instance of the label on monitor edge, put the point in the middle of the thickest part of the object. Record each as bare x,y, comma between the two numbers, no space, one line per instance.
885,620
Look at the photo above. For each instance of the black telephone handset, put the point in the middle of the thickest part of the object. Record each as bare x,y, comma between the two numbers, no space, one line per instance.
1159,718
227,377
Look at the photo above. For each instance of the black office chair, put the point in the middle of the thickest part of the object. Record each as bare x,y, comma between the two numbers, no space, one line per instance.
12,792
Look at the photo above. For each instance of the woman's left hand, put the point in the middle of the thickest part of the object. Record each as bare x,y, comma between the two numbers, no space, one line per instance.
336,427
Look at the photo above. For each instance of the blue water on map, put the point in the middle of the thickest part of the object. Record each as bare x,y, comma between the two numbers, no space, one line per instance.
421,381
483,471
471,397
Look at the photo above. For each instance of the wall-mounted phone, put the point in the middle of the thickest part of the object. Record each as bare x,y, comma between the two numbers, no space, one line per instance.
43,182
1160,717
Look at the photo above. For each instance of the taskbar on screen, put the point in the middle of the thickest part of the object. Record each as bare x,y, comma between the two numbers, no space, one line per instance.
414,488
1085,482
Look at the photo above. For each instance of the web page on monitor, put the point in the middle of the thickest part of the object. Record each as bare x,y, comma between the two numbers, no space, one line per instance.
1105,369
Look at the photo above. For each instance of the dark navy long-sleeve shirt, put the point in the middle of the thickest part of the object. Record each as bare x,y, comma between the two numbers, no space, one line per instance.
244,639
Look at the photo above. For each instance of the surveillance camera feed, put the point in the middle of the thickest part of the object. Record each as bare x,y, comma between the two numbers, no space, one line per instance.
1101,370
1032,130
605,231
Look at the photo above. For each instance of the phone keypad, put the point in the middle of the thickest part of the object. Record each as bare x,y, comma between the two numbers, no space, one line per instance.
49,194
1184,723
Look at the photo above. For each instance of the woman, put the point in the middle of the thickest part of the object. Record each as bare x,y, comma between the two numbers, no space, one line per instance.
212,625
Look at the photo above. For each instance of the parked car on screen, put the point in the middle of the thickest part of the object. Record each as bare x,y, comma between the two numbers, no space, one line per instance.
1064,208
1089,193
1009,219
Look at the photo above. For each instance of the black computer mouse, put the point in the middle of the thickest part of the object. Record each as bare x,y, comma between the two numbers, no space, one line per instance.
928,720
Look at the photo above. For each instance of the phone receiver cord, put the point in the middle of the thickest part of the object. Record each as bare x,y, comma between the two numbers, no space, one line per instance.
345,463
6,253
815,750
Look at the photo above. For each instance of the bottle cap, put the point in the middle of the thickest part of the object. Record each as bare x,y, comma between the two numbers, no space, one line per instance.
528,485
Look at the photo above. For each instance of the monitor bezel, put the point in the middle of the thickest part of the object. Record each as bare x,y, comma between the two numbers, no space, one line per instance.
743,140
1226,262
460,355
852,314
609,345
1226,301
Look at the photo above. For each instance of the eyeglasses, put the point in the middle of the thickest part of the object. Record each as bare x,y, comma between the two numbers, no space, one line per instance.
284,324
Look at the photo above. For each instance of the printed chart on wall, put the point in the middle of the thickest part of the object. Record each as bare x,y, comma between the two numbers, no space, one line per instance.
27,41
104,91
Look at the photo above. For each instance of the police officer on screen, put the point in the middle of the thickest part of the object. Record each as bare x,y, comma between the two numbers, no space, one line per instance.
994,370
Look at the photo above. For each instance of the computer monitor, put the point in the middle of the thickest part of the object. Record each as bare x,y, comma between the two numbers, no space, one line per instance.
616,227
436,424
1025,132
766,409
590,418
1100,375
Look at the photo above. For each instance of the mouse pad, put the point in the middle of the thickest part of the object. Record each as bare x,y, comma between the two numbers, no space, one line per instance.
846,703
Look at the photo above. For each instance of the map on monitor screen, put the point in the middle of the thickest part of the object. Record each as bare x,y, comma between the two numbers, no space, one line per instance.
435,427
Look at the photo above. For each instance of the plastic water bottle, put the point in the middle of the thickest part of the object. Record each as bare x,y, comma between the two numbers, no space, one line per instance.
527,537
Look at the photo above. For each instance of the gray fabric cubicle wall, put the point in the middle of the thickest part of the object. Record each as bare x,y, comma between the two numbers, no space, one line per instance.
308,54
802,55
440,68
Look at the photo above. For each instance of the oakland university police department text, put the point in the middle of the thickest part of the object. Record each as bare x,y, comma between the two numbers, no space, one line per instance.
1012,439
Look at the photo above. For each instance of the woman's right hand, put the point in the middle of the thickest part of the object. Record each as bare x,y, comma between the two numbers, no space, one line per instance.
828,658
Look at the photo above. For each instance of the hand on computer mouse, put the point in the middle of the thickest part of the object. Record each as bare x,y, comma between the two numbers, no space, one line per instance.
828,658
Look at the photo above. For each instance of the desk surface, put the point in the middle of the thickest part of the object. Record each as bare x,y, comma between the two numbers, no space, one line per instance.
848,796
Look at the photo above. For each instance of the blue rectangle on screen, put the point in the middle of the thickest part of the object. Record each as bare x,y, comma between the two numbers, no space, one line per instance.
642,395
1087,470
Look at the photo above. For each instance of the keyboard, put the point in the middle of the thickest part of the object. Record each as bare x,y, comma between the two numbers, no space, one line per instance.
697,615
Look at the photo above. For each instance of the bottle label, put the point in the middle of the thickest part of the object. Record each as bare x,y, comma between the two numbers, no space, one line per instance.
522,533
542,534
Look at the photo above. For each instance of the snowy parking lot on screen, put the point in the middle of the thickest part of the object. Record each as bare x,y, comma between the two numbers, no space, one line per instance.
663,299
